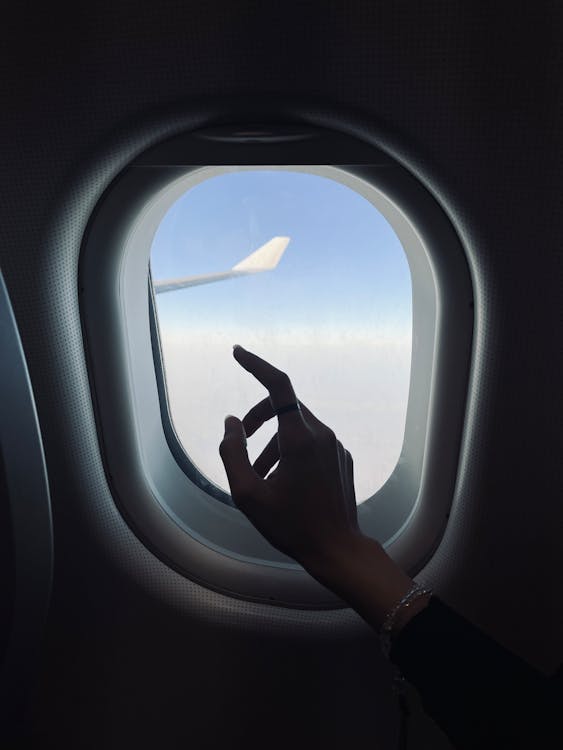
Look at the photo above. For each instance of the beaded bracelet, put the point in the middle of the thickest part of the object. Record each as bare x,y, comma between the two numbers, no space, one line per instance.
414,593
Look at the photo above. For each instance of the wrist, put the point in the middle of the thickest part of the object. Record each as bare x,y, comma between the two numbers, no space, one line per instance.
405,614
359,571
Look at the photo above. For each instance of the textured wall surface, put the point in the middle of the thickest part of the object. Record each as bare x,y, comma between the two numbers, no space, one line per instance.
470,99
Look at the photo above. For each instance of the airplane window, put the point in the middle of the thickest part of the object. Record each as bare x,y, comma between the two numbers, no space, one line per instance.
328,258
307,273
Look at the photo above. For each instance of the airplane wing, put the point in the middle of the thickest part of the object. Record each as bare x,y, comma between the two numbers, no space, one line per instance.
266,258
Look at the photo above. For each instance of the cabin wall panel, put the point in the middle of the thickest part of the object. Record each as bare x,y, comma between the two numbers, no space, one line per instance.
471,99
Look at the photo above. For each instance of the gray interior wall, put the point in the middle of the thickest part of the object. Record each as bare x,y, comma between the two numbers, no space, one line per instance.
471,99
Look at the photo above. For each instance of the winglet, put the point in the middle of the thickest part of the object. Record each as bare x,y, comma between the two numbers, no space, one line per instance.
265,258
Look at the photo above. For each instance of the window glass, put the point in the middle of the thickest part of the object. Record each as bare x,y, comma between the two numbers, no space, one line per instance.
327,299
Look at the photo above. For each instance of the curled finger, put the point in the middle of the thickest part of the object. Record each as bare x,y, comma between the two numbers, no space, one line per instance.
269,456
257,416
242,477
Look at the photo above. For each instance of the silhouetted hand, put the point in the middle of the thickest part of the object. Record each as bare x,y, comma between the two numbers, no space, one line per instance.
306,507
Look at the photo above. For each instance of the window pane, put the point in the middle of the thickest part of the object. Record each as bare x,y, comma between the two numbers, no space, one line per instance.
334,313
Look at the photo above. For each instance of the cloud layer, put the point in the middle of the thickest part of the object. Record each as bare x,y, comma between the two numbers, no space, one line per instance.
358,386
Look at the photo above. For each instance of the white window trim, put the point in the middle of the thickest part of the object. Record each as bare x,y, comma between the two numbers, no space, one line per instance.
203,538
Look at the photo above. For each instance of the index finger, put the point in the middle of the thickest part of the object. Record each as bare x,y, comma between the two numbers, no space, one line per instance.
276,382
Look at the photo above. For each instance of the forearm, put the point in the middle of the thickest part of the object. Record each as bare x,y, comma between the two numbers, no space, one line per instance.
473,688
363,575
479,693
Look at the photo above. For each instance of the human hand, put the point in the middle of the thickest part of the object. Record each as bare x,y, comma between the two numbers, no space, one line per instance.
306,507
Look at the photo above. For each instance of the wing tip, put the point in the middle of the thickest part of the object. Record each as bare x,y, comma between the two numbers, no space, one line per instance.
266,257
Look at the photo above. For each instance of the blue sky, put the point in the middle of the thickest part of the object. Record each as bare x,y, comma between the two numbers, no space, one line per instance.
344,267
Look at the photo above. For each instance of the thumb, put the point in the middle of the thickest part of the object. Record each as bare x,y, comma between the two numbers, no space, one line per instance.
242,477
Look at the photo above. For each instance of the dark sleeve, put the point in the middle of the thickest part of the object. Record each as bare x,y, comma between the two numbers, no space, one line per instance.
479,693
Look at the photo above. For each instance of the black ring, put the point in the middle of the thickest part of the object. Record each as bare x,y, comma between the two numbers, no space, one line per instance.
289,407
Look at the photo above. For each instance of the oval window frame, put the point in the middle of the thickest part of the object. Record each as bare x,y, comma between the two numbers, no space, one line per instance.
201,537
